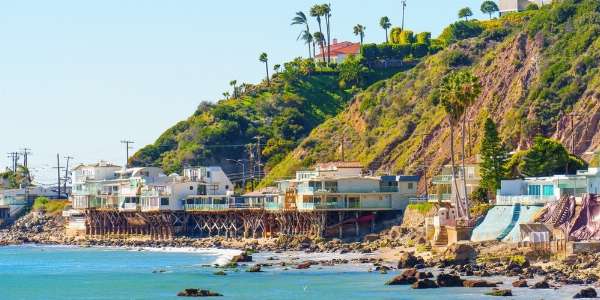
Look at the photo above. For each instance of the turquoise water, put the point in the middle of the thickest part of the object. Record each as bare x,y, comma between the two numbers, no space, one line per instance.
32,272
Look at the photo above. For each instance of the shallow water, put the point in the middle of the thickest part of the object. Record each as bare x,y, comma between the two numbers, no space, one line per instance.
36,272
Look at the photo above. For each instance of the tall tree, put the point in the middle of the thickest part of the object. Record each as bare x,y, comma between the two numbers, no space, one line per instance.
458,91
493,157
546,157
385,23
308,39
403,9
465,13
359,30
320,40
326,8
489,7
317,12
265,59
301,19
233,83
276,68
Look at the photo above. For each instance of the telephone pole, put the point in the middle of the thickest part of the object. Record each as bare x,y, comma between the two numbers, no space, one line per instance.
26,152
403,9
14,157
343,142
58,167
127,147
258,156
68,158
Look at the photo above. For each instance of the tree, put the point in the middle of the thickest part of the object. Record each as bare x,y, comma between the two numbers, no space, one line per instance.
359,30
351,72
226,95
276,68
265,59
493,157
320,40
301,19
465,13
308,39
546,157
233,83
317,12
458,91
327,13
385,23
489,7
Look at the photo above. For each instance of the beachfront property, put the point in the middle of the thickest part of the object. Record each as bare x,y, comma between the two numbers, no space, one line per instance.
508,6
444,189
342,186
339,51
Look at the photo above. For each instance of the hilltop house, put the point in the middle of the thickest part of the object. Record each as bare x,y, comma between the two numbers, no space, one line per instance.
339,51
342,186
507,6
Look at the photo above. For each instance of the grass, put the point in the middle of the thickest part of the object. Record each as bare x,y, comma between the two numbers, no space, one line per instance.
422,208
51,207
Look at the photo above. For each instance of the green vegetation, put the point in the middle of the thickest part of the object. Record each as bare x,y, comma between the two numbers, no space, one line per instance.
359,30
465,13
386,24
489,7
423,207
16,179
546,157
48,206
493,158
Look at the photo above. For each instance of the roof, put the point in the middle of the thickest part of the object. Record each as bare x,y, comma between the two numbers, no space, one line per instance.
342,48
340,165
100,164
409,178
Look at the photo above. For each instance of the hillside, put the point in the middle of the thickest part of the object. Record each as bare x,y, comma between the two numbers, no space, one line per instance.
283,112
538,69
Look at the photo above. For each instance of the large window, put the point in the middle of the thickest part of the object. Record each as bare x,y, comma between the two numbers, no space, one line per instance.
315,185
548,190
533,190
164,201
331,186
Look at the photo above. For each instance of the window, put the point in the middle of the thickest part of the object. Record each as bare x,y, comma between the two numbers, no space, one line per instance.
533,190
191,188
548,190
331,186
164,201
411,186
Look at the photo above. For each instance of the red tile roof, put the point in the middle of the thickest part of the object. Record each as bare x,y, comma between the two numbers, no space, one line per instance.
345,48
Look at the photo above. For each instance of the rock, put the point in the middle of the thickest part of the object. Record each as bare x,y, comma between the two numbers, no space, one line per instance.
254,269
197,293
409,273
449,280
586,293
478,283
220,273
408,260
541,285
425,284
500,293
242,257
460,253
407,277
371,237
522,283
424,275
304,265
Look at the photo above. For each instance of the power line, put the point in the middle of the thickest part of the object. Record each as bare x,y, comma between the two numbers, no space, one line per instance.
127,147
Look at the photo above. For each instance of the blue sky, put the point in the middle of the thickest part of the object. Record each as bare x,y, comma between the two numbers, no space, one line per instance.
76,77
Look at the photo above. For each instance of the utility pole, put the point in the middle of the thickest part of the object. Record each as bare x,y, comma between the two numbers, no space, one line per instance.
127,147
14,157
258,156
68,158
58,167
26,152
343,141
403,9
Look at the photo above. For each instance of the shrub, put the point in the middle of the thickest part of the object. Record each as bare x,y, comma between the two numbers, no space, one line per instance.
423,38
370,52
532,6
457,58
419,50
406,37
461,30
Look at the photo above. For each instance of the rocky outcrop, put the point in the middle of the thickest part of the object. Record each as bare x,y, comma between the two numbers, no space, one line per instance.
254,269
425,284
198,293
500,293
242,257
449,280
541,285
409,260
460,253
586,293
522,283
478,283
407,277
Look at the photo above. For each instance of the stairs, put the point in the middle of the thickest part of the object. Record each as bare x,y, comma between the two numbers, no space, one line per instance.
440,238
513,222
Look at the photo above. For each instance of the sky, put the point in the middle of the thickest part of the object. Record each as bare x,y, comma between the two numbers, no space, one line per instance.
77,77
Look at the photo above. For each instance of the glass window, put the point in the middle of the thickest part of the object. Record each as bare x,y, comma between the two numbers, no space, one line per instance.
533,190
410,185
548,190
164,201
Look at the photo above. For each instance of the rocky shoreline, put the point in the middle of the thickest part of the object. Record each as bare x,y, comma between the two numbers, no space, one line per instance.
398,249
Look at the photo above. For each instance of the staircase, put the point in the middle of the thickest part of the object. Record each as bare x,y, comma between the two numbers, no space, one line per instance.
513,222
440,238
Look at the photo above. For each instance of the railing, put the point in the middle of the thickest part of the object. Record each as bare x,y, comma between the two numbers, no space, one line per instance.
273,206
441,179
206,207
384,204
130,206
524,199
440,197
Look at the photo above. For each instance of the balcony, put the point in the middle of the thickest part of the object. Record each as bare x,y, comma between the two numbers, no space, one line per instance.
442,179
385,204
440,197
524,199
206,207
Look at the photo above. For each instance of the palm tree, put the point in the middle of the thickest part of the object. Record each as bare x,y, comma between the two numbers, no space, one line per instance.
317,12
465,13
326,8
320,40
308,39
458,91
359,30
233,83
301,19
265,59
276,68
226,95
385,24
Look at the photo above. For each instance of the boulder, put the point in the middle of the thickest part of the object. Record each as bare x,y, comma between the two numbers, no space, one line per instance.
586,293
522,283
254,269
409,273
478,283
401,280
220,273
197,293
449,280
425,284
371,237
499,293
424,275
242,257
541,285
460,253
408,260
304,265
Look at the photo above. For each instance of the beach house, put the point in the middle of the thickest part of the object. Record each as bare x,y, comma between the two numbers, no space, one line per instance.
212,191
444,188
507,6
343,186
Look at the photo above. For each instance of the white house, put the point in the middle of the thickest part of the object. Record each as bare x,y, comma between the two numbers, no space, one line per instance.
507,6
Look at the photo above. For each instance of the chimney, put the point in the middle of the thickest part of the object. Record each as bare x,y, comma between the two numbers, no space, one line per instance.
335,41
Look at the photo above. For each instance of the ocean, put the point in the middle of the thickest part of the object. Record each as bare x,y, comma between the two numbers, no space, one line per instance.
53,272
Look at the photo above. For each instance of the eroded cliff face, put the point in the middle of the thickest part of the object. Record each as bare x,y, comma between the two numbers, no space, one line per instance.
532,86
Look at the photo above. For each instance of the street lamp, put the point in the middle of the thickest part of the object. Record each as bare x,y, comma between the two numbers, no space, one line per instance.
241,163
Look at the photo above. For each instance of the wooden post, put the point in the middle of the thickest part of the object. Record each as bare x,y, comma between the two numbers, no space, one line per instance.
373,222
356,227
340,225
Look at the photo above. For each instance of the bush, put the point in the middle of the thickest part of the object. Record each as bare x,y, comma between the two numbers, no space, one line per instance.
532,6
457,58
40,203
370,52
423,38
419,50
406,37
461,30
